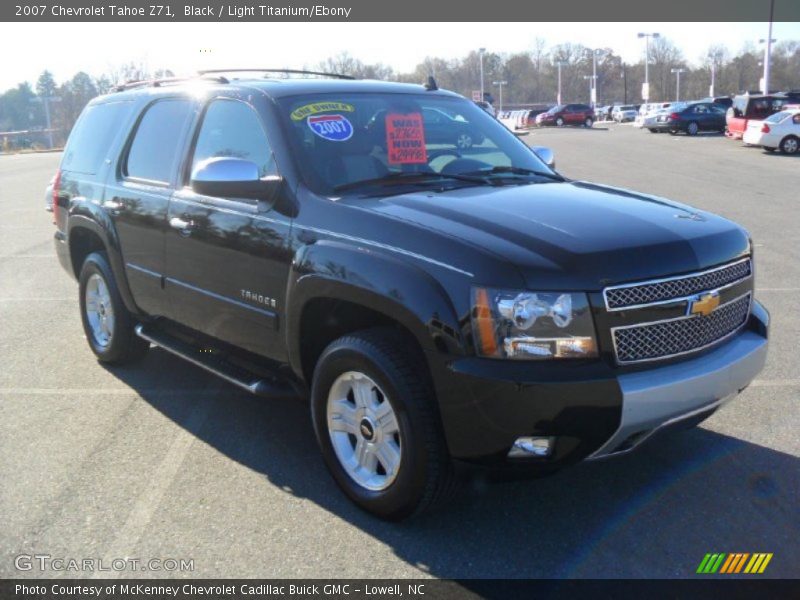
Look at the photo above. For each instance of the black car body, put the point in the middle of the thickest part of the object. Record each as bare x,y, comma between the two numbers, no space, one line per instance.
695,117
541,321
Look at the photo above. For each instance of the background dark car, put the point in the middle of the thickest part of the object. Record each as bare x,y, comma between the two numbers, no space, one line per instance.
697,116
567,114
440,128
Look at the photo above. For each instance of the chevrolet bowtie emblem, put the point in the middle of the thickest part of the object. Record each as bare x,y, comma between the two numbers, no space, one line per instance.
704,304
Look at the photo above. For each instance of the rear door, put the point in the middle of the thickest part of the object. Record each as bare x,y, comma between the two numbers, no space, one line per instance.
139,194
227,258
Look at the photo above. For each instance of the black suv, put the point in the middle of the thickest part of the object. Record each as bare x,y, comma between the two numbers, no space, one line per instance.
440,303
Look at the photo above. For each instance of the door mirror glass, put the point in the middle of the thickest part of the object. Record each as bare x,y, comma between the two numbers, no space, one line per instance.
233,178
546,154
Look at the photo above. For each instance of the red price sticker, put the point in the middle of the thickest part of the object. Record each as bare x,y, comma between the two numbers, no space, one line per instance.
405,139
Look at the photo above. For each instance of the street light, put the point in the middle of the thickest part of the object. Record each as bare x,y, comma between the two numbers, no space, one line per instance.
711,89
559,65
768,48
591,79
481,52
678,89
593,92
646,86
500,84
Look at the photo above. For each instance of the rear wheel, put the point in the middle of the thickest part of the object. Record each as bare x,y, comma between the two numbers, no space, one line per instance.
377,426
559,122
692,128
107,323
790,144
588,122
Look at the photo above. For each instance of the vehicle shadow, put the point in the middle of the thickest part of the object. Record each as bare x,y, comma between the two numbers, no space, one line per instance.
653,513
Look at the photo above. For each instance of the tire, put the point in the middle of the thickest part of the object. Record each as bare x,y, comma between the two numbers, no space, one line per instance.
559,122
692,128
386,369
768,149
107,323
789,145
464,141
653,130
588,122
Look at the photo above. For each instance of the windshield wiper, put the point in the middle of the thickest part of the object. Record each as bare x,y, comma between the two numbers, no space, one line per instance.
515,171
412,177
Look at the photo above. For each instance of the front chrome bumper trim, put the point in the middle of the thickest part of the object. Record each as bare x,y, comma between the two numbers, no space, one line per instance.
659,397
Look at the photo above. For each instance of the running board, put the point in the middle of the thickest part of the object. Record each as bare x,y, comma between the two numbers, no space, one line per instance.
238,376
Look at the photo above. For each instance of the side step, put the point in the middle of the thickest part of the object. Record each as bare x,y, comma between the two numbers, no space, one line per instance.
255,384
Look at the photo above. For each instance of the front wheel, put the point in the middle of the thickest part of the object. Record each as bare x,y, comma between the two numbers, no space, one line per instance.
790,145
559,122
377,426
107,323
692,128
588,122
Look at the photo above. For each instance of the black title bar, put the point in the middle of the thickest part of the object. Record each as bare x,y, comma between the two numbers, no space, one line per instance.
398,10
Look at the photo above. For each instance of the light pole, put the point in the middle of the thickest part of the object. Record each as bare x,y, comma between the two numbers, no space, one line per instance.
591,79
593,92
678,89
481,52
768,48
500,85
646,86
711,89
46,100
558,98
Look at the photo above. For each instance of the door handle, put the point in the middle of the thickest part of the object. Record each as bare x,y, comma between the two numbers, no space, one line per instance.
114,206
184,227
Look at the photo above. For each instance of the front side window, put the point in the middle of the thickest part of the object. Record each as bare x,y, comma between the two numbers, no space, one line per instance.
344,139
154,151
232,129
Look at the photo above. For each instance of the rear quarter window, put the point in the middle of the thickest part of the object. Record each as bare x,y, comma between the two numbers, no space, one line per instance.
93,135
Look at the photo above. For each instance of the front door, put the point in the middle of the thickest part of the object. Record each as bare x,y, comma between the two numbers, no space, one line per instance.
228,259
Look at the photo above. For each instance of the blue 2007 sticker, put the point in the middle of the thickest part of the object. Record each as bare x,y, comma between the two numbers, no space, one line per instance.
335,128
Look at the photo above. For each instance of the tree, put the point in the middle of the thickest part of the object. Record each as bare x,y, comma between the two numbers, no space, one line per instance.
46,85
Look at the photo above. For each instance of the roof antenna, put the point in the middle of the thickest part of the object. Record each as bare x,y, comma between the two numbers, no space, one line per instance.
430,85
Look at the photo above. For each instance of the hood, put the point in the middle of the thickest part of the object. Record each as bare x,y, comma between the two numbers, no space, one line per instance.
574,235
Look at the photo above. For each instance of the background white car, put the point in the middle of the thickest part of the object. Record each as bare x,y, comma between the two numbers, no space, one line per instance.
780,130
646,118
623,114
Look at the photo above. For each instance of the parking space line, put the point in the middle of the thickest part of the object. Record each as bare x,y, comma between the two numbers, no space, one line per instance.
141,514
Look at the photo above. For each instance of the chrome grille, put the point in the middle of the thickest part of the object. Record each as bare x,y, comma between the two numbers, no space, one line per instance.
662,339
675,288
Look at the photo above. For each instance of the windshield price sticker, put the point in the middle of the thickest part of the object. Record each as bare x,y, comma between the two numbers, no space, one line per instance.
334,128
405,139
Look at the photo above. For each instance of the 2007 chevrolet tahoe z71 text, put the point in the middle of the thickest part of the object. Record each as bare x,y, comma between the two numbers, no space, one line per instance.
390,250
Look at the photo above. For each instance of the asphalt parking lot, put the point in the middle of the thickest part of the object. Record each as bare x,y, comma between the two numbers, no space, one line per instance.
162,460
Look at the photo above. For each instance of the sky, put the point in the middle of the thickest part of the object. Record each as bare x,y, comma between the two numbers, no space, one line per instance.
96,48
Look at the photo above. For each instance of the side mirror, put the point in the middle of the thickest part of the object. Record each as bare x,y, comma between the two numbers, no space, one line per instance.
546,154
233,178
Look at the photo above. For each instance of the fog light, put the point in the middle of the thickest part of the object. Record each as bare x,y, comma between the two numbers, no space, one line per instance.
527,447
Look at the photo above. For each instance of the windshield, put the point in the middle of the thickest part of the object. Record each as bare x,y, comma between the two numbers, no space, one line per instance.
343,140
555,109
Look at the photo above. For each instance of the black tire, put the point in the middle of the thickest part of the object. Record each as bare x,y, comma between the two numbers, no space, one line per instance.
692,128
559,122
426,475
123,346
790,145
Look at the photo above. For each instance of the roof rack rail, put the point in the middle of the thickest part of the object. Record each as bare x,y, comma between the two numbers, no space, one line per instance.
133,84
286,71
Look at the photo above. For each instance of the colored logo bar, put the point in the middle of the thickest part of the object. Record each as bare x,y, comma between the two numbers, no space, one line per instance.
737,562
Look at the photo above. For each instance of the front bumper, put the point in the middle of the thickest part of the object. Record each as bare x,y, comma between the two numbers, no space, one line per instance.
592,409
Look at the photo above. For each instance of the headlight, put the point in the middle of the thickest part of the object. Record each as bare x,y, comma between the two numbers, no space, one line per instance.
532,325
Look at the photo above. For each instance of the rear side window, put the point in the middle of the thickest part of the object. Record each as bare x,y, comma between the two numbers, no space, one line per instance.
232,129
90,141
154,149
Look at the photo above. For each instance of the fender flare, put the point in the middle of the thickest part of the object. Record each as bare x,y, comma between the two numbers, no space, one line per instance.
376,280
89,216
